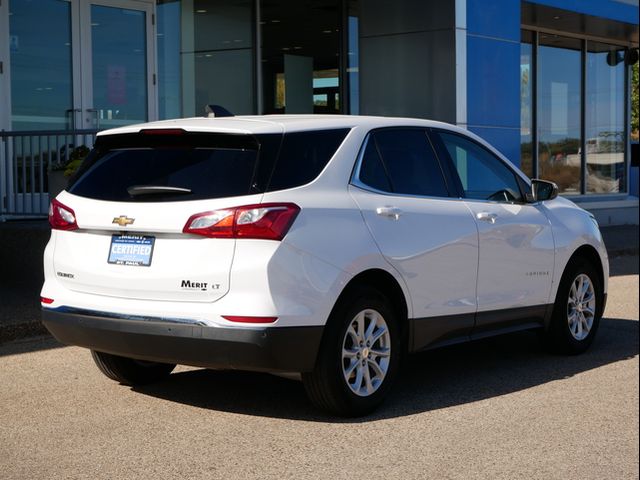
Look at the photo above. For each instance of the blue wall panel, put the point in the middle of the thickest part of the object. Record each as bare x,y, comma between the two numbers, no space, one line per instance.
494,18
493,82
506,140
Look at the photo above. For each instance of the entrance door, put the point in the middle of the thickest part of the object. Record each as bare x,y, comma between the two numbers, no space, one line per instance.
65,66
117,64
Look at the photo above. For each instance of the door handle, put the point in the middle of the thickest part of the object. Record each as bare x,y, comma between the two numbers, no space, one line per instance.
487,217
391,212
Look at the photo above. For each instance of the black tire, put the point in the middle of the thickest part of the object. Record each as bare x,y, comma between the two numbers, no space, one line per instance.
558,337
326,385
129,371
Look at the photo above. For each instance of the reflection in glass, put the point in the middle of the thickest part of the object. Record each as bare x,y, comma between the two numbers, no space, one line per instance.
605,118
559,109
205,56
300,44
526,104
119,53
353,56
168,41
40,41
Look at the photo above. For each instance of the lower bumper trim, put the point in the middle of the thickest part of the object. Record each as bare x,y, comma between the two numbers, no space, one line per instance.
270,349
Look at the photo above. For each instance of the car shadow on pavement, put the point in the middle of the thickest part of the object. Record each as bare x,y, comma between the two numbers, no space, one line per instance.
29,344
428,381
623,265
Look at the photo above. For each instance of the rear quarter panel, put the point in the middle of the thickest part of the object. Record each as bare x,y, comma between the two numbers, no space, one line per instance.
329,234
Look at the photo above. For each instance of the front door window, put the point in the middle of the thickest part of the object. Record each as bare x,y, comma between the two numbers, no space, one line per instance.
483,176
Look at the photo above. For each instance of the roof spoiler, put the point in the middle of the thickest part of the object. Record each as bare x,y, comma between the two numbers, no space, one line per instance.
212,111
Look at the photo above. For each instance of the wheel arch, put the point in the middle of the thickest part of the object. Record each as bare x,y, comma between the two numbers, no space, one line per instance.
590,254
388,285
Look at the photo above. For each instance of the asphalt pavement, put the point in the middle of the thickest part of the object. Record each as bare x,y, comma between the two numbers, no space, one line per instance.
501,408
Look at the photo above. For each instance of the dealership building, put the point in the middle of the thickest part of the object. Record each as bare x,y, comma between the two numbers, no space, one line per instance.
547,82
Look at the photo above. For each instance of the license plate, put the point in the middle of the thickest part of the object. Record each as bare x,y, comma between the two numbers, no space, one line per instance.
132,250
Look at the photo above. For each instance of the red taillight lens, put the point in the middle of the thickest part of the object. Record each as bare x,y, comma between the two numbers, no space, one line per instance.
267,221
45,300
61,217
237,319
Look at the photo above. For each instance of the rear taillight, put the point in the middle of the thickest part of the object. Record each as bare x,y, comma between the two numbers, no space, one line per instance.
268,221
61,217
46,301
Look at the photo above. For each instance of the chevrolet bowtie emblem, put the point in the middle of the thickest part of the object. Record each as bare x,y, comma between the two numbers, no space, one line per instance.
123,220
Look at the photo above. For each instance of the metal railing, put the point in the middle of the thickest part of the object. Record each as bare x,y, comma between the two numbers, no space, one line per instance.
29,161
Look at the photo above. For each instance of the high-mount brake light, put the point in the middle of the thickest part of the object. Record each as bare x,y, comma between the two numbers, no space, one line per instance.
163,131
266,221
61,217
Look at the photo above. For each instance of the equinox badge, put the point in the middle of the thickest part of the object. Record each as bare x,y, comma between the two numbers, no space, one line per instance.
123,220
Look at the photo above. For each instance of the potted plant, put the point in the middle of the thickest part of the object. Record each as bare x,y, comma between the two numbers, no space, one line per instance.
60,172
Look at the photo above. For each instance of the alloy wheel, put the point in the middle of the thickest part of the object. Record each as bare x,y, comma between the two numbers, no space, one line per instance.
581,307
366,352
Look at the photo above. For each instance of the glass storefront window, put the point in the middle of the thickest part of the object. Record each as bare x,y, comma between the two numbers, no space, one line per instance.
554,80
353,55
40,41
214,57
605,143
119,53
168,41
526,104
559,111
300,56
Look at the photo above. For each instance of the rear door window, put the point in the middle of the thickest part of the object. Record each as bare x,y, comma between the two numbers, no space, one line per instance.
372,171
402,161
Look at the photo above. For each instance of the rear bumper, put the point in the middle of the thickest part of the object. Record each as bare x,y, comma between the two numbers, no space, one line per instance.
271,349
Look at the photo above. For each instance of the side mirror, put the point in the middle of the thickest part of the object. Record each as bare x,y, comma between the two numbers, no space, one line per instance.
542,190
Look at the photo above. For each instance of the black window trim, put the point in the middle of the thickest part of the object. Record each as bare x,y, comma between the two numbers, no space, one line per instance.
355,174
435,132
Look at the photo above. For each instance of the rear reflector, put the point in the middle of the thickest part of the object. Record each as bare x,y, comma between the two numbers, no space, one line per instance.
232,318
46,300
267,221
61,217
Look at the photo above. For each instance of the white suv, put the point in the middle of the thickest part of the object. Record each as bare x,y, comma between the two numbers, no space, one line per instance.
323,245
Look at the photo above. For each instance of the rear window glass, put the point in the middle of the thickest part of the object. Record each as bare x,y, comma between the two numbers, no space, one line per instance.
199,173
303,155
132,168
196,166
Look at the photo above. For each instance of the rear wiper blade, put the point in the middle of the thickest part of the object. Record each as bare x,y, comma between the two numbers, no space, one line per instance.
137,190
